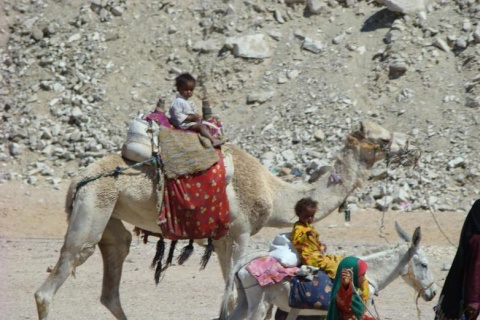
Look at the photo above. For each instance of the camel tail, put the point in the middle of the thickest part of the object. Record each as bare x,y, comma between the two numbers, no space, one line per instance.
72,190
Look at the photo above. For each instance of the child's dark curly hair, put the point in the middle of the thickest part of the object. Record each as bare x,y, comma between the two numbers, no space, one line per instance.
183,79
305,203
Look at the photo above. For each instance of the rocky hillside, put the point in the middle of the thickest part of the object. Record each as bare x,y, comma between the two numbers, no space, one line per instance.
288,78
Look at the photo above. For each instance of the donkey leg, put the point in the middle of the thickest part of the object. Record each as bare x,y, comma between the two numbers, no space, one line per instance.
258,301
258,311
293,314
241,305
114,246
84,232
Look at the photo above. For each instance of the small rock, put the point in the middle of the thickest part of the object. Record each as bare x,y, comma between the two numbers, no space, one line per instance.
441,44
315,6
260,97
117,11
312,45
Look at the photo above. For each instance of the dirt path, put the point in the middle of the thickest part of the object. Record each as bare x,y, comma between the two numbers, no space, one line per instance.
33,224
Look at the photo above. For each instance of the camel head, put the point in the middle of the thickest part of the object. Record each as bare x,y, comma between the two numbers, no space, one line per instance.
374,143
415,270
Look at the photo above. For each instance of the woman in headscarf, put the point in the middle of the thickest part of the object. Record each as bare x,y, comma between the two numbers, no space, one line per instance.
460,297
346,302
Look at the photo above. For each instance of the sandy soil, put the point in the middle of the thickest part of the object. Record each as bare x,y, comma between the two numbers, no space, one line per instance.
33,224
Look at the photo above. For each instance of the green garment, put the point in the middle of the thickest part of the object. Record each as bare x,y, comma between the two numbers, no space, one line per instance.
357,305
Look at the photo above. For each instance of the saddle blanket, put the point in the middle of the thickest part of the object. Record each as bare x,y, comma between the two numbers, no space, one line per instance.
268,270
184,151
195,206
310,294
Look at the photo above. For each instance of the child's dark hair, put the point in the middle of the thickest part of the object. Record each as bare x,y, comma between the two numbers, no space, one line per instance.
183,79
305,203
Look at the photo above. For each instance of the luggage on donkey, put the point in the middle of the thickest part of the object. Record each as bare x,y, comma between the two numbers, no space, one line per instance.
310,290
310,293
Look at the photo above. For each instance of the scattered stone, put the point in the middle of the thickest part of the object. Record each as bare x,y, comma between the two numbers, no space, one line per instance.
312,45
260,97
441,44
252,46
315,6
405,6
459,161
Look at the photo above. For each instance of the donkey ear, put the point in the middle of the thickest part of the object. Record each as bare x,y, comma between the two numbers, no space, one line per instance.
405,236
417,236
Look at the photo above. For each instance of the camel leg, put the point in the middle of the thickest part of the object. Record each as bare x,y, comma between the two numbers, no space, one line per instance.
114,246
84,231
229,251
223,249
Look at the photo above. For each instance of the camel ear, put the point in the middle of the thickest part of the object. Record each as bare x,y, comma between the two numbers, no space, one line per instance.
362,128
417,236
402,233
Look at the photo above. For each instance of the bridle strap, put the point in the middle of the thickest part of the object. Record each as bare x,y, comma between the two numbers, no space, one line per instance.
354,141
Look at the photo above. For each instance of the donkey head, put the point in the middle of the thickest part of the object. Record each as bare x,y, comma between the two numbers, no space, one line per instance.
415,269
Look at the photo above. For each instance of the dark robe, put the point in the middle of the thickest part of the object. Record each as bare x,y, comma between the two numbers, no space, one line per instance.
456,294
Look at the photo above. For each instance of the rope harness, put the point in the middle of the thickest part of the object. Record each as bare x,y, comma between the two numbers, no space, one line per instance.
416,283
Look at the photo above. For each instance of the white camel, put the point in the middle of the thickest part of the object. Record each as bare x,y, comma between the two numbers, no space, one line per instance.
406,259
257,199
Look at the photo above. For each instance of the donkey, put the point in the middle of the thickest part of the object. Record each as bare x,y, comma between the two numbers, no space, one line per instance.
405,259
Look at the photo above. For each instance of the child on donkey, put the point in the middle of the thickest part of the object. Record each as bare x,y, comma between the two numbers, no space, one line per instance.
183,113
306,239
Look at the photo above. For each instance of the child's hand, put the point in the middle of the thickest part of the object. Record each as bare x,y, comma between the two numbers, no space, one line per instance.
346,277
471,312
197,117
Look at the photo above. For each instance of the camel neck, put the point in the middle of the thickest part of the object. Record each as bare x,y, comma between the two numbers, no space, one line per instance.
347,173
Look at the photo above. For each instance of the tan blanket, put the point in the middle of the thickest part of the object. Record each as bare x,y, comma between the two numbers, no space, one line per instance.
185,152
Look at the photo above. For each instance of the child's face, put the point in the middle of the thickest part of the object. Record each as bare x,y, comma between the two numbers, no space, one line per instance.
361,279
186,90
306,216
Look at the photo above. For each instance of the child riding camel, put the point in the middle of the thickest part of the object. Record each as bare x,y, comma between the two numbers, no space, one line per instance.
183,113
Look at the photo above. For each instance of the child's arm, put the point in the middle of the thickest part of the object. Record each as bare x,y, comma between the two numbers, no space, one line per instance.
299,235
